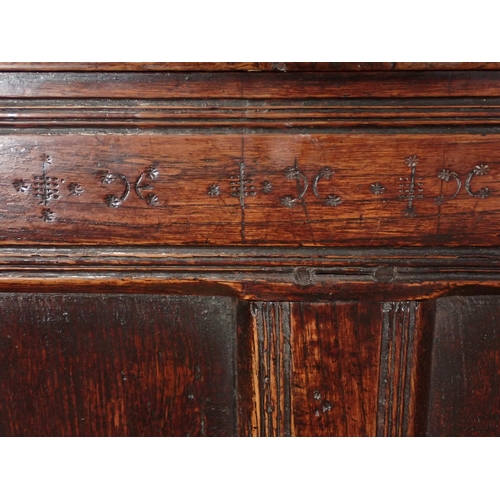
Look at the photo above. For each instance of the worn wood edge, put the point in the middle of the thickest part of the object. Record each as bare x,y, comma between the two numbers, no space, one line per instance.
453,258
287,274
249,85
203,128
405,368
422,362
270,330
246,372
246,66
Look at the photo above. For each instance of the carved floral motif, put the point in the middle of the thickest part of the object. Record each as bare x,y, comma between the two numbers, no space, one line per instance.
143,183
447,175
45,188
293,173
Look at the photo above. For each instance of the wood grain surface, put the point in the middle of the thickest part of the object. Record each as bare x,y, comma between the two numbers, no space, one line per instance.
264,367
405,368
114,365
314,369
293,190
246,66
310,274
225,115
255,249
249,85
465,383
335,367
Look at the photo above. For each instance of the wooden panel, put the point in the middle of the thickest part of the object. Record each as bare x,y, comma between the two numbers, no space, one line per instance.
116,365
465,389
314,369
309,182
335,368
272,189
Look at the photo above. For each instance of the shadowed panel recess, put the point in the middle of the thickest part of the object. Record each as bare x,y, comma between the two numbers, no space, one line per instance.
116,365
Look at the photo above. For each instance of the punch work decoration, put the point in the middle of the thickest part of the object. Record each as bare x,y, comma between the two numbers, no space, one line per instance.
46,189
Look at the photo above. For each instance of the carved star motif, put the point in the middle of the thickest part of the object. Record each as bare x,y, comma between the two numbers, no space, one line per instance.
376,188
333,201
214,191
267,187
75,189
21,185
412,161
481,169
48,215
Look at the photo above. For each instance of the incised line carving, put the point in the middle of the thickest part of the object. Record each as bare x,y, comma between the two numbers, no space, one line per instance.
47,188
293,173
331,200
446,176
478,171
415,187
140,185
241,185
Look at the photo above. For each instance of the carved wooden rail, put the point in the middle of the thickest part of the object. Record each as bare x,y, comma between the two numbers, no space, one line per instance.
268,196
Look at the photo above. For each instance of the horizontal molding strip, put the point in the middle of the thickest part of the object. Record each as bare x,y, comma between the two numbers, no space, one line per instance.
468,257
245,113
254,273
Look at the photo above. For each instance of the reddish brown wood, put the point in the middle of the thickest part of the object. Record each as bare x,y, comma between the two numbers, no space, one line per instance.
247,372
265,373
211,190
246,66
254,273
336,201
226,115
250,85
335,368
114,365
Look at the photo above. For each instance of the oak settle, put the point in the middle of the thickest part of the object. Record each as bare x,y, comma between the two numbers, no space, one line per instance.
253,249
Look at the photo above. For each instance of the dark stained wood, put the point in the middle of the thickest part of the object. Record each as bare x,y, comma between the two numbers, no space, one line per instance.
142,66
114,365
465,387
